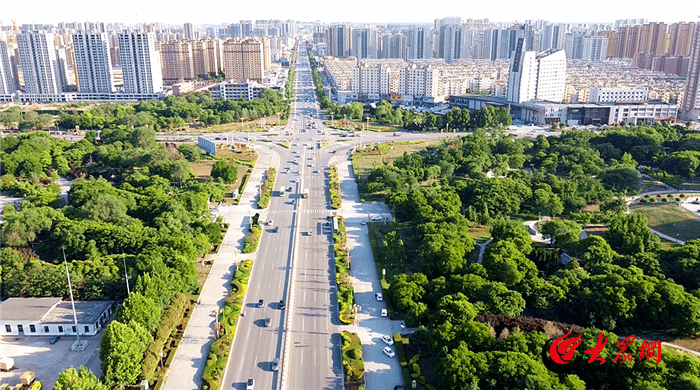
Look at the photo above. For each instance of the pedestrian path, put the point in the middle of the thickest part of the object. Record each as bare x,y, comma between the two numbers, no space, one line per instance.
185,372
380,372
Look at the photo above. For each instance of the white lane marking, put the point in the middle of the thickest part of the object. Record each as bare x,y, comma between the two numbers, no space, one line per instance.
314,357
304,296
268,284
301,360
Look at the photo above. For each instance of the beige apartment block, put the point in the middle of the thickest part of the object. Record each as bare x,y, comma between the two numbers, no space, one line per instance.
177,60
246,59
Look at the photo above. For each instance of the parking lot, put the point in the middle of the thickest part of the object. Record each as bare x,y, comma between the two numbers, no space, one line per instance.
46,360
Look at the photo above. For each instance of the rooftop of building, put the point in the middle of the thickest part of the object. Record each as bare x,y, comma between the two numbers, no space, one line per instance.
26,309
88,312
51,310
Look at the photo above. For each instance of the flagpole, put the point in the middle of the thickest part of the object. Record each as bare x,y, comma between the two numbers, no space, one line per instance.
70,289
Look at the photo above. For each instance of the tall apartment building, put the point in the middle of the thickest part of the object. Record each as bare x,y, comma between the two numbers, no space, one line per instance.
339,40
140,63
680,38
653,38
452,45
691,97
93,62
370,81
365,43
207,55
177,60
394,46
246,28
418,81
595,48
7,78
246,59
419,43
189,31
536,75
41,68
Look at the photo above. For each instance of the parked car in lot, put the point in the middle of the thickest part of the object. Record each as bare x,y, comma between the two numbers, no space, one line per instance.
389,352
54,340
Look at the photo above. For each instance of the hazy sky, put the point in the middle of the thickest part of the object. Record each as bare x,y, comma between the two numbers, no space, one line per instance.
372,11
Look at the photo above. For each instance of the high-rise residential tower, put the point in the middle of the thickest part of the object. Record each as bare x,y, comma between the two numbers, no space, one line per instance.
536,75
246,59
691,99
419,43
140,63
40,66
189,31
93,63
177,61
7,78
339,40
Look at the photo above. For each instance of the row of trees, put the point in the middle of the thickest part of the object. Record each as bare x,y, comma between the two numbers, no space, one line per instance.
173,112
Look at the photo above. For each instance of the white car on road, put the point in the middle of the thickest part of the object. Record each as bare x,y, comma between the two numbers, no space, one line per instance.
389,352
379,297
388,340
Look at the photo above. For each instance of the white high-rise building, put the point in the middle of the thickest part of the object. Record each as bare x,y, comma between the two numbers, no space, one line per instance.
93,62
691,101
140,63
40,66
365,43
535,75
595,48
7,78
419,43
189,31
418,81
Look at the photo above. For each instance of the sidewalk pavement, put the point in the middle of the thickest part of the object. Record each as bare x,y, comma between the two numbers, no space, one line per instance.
381,371
185,372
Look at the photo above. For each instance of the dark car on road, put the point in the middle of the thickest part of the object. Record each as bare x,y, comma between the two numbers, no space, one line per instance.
267,322
54,339
281,304
261,303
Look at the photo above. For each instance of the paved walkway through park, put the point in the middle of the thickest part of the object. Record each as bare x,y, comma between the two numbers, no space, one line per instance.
381,371
186,370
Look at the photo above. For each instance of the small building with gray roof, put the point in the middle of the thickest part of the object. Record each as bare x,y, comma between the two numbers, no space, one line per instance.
53,317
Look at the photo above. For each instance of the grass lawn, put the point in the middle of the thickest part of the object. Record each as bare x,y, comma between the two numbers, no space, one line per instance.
363,162
649,186
670,219
245,160
480,233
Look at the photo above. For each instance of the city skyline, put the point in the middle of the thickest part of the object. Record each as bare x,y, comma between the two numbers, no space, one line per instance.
132,11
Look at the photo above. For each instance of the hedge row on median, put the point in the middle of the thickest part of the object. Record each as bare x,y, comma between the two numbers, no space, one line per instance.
353,365
334,184
219,351
252,239
346,296
266,188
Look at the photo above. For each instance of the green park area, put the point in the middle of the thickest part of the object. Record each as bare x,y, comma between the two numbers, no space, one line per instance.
670,219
